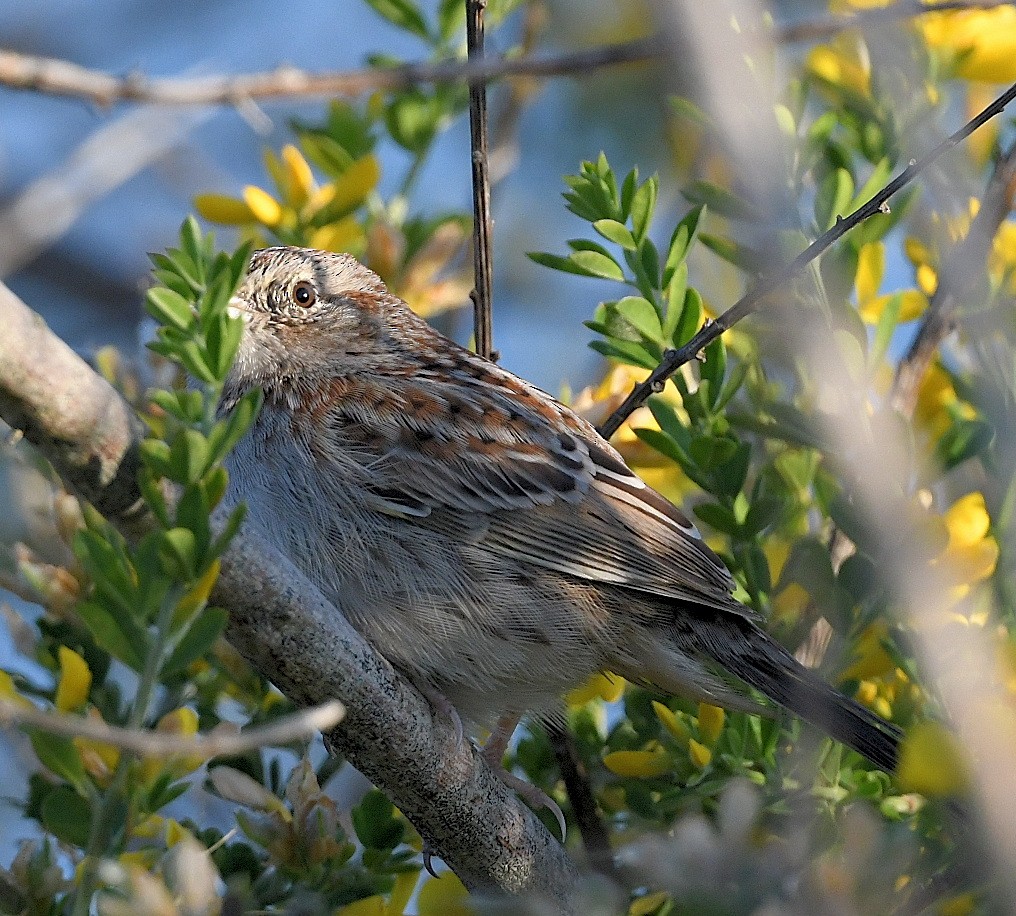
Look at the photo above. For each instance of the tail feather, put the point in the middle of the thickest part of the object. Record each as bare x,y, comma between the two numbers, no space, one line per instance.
759,661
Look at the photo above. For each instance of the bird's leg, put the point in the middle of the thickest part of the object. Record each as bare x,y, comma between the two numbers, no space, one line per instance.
441,705
493,753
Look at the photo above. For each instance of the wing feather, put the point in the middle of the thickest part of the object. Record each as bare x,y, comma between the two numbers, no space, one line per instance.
492,444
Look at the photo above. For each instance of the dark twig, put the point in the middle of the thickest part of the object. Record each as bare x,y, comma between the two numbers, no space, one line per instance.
595,837
828,26
60,77
755,297
961,271
482,240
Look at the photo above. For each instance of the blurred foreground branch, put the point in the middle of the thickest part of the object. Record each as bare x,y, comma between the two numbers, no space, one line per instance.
61,77
756,296
288,631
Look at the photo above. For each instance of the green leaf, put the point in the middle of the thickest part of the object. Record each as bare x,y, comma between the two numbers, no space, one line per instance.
718,517
720,200
119,635
642,207
690,318
61,757
625,352
675,288
887,322
375,822
188,456
713,369
556,262
156,456
708,451
833,198
67,815
169,307
193,240
227,532
616,232
197,640
595,264
763,513
450,18
587,245
402,13
639,314
962,440
412,120
177,551
682,239
192,513
750,260
226,433
628,189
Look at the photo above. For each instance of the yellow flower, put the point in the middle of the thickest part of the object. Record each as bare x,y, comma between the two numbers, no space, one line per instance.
227,211
938,404
602,685
444,896
654,761
266,209
871,305
700,755
10,693
669,720
971,555
98,758
650,903
981,42
366,906
869,657
598,402
931,761
299,180
710,722
75,681
790,602
841,65
345,235
402,891
184,722
198,595
351,190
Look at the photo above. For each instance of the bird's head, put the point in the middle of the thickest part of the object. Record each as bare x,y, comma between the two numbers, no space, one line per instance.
310,314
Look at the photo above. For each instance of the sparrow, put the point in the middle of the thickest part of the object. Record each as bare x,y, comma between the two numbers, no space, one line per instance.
482,536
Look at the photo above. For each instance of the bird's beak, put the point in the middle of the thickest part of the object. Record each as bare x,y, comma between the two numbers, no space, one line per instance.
238,308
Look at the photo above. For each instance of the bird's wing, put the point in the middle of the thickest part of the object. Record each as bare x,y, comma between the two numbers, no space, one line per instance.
478,451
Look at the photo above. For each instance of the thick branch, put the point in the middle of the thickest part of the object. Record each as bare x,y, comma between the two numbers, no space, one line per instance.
755,298
61,77
286,628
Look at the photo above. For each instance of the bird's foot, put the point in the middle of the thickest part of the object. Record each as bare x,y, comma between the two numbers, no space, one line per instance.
441,705
493,753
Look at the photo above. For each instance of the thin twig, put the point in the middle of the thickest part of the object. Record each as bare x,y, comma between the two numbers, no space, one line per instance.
595,837
755,297
482,240
961,271
145,743
828,26
61,77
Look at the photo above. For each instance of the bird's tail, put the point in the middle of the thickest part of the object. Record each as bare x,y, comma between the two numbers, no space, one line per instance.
759,661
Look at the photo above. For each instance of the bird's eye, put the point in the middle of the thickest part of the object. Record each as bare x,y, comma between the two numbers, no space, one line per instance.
304,294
